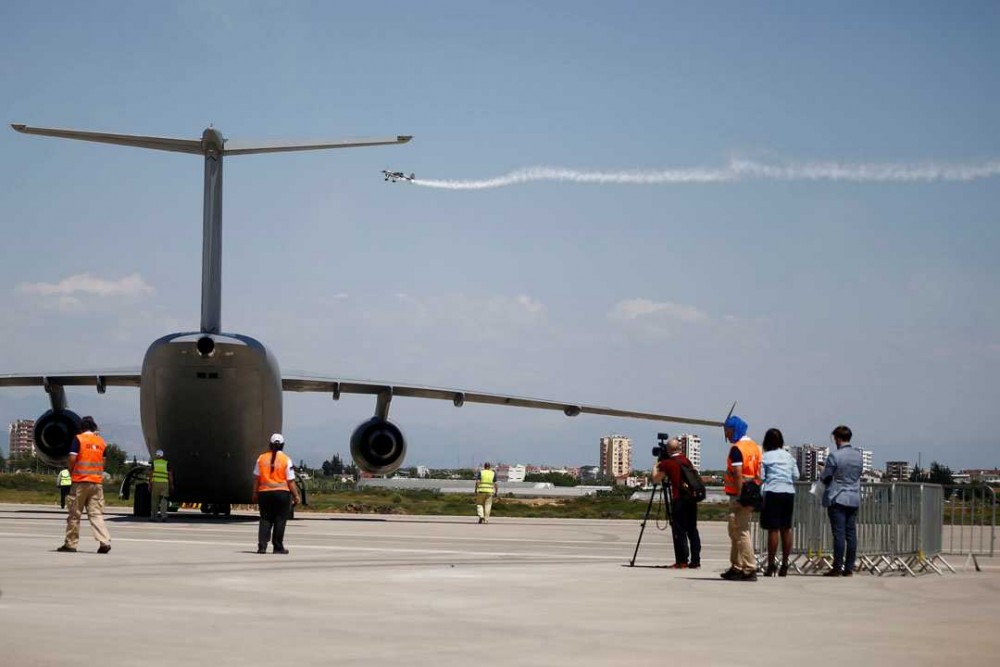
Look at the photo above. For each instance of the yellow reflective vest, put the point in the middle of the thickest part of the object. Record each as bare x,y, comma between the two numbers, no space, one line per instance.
160,471
485,483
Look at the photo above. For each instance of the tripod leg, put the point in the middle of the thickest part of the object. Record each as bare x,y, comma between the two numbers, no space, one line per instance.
649,507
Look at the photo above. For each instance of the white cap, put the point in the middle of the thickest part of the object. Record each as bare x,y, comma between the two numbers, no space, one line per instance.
159,452
277,439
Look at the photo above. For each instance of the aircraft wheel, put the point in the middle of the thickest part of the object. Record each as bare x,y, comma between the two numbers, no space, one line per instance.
206,508
142,501
226,509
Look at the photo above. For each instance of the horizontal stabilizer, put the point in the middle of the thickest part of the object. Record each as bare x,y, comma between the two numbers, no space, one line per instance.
156,143
245,148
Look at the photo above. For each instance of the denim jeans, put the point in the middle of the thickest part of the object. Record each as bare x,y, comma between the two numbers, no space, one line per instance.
844,522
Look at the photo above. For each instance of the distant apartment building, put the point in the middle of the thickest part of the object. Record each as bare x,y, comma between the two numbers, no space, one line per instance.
866,461
691,446
982,476
22,438
589,473
509,473
898,470
616,456
423,471
811,459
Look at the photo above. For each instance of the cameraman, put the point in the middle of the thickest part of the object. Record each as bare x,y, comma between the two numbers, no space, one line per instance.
684,518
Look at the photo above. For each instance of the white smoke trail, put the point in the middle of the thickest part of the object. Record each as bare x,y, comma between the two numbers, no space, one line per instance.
739,170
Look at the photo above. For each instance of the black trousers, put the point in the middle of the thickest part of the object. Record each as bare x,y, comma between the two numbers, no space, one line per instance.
684,524
63,492
274,510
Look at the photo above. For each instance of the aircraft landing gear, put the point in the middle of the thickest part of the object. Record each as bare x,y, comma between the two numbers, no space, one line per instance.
142,501
225,509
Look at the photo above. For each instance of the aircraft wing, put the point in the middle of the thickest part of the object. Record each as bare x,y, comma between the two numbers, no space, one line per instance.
98,379
459,397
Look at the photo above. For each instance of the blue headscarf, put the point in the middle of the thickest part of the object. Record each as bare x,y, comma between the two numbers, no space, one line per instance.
738,426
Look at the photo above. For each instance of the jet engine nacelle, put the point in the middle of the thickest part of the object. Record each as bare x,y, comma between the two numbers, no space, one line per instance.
54,433
378,446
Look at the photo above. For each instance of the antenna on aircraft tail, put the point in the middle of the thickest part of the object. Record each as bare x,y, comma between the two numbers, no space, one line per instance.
214,147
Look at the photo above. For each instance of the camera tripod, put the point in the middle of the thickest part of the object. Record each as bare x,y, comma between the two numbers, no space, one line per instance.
665,488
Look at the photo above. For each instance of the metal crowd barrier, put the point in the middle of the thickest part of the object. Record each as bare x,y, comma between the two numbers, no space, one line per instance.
970,520
899,529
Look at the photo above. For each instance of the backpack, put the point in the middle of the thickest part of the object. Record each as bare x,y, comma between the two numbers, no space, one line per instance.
692,487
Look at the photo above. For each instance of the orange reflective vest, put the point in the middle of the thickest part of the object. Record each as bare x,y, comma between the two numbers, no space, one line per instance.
751,464
89,466
275,479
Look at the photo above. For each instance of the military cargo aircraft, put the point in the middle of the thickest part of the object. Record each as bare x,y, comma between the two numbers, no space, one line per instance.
210,398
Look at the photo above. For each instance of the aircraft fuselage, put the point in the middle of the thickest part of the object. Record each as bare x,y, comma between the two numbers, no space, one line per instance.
211,413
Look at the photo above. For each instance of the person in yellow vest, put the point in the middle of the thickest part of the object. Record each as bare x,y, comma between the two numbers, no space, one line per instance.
275,493
486,488
63,481
742,465
86,470
161,485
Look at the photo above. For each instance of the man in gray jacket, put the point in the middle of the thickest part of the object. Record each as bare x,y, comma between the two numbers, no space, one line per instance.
842,498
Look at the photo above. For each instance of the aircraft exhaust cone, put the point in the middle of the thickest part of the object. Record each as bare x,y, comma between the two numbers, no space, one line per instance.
206,346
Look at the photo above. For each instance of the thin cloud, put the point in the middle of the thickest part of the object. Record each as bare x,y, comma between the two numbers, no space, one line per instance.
90,285
637,309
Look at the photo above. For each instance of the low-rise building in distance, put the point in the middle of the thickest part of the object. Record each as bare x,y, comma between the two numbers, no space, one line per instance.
899,471
511,473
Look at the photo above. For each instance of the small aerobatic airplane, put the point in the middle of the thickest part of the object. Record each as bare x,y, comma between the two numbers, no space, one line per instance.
210,399
397,175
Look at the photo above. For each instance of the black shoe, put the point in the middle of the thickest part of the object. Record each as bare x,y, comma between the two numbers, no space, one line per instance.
847,573
694,566
783,570
771,571
262,550
833,573
104,548
732,574
280,550
748,576
66,549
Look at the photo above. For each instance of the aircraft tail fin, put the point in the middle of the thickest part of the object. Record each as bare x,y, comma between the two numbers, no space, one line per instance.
136,141
246,148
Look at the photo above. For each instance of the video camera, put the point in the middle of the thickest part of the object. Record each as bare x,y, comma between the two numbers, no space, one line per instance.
660,451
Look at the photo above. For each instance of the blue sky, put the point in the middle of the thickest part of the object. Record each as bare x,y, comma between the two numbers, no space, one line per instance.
813,303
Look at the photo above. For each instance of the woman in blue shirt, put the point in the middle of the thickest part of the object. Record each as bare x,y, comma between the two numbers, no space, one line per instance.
779,473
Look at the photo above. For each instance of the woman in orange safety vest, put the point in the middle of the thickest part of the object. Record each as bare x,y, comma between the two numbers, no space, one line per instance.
274,491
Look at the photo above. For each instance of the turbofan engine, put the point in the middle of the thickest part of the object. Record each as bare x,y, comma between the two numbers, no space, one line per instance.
378,446
54,433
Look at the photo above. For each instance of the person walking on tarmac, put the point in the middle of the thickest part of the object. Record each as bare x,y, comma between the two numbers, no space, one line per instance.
63,481
86,470
161,484
742,465
486,488
275,494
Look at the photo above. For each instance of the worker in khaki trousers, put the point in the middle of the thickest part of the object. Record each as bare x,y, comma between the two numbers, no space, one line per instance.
486,488
86,470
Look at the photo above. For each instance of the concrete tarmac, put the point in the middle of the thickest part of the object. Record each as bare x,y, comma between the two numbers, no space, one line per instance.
364,590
